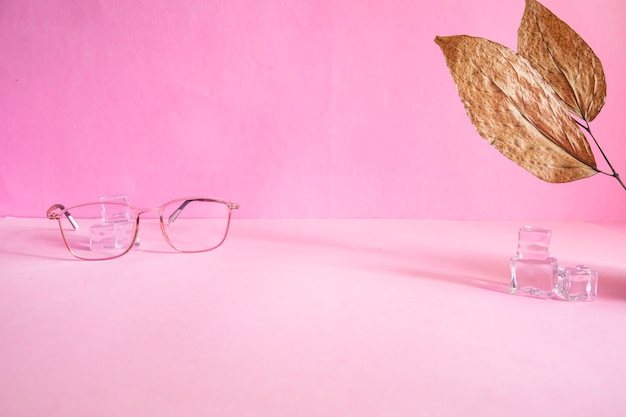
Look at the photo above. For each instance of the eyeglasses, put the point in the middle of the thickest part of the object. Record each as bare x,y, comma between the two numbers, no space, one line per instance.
107,230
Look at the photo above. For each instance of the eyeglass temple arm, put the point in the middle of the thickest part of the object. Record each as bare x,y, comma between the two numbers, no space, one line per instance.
52,215
174,215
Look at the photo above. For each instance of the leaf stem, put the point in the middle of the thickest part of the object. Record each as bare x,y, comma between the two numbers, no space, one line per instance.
613,173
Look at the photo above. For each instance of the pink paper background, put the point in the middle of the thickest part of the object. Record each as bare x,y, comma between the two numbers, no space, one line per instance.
293,108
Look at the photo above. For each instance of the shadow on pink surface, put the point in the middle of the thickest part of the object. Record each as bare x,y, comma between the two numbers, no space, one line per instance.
438,251
612,281
32,243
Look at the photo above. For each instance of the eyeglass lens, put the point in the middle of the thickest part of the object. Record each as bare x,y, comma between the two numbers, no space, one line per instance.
195,225
99,231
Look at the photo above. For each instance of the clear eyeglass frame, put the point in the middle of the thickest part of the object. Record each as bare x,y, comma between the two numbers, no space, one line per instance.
107,230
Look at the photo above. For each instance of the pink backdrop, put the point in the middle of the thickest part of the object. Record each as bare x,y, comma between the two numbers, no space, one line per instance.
293,108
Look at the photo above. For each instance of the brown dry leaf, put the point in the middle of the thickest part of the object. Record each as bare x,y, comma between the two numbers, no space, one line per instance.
513,107
564,59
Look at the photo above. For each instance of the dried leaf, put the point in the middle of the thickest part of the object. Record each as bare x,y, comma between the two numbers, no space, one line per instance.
516,110
564,59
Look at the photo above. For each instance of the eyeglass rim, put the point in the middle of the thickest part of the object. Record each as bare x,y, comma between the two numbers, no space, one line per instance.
56,210
229,205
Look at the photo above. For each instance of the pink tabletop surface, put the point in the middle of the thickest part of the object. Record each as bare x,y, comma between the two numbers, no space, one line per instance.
309,318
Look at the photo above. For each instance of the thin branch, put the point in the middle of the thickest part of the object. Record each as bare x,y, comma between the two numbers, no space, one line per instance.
613,173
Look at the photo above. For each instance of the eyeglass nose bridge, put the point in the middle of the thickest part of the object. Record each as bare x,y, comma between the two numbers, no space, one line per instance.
148,210
145,210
